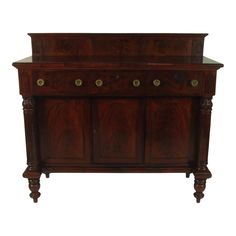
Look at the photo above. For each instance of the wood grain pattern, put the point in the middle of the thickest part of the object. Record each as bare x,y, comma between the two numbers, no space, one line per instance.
171,129
118,83
117,44
135,63
117,127
65,131
118,130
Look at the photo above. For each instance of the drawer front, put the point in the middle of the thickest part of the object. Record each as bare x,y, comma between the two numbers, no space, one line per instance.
118,83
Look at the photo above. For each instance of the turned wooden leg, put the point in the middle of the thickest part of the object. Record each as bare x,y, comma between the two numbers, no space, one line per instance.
34,185
34,182
199,186
201,175
47,174
188,174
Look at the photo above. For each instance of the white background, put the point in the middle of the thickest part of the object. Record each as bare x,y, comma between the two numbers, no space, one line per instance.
117,204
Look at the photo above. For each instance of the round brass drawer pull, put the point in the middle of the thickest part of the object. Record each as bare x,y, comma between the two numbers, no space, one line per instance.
99,82
156,82
78,82
136,83
194,83
40,82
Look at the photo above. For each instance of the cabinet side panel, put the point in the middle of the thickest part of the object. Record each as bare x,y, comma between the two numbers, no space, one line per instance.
197,47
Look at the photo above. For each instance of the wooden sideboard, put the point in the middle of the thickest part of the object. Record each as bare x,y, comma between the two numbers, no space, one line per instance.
117,103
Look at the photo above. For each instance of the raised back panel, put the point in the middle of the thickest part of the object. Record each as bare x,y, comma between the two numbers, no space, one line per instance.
117,44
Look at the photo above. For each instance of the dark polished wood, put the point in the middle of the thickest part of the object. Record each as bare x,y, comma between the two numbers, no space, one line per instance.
59,118
118,130
34,182
177,119
117,44
117,103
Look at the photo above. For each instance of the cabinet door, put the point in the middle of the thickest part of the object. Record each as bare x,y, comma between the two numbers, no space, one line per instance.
118,130
64,128
171,130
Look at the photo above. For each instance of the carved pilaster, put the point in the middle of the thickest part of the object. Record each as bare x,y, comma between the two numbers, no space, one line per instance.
30,133
204,131
33,171
28,104
201,172
206,106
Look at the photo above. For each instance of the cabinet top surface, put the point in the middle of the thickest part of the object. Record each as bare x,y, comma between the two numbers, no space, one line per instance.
137,62
117,34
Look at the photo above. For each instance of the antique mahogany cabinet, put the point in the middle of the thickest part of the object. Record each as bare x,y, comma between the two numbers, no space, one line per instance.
117,103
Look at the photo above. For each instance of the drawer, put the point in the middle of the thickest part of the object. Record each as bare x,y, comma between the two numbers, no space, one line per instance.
117,83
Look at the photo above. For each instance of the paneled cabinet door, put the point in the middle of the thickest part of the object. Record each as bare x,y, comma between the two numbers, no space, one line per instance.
64,130
171,125
118,130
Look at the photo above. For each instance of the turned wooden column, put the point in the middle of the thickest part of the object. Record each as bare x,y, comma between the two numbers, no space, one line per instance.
33,170
202,173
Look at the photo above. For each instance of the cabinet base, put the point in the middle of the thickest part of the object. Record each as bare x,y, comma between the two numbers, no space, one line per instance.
200,174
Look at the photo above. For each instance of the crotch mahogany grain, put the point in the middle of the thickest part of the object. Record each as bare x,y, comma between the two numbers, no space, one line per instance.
117,103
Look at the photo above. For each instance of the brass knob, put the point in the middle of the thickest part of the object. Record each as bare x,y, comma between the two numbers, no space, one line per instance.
136,83
194,83
78,82
40,82
99,82
156,82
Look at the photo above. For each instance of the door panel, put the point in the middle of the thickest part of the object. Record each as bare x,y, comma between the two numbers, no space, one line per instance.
64,128
118,130
171,130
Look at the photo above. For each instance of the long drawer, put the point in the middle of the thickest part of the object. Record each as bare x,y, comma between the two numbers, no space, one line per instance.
117,83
